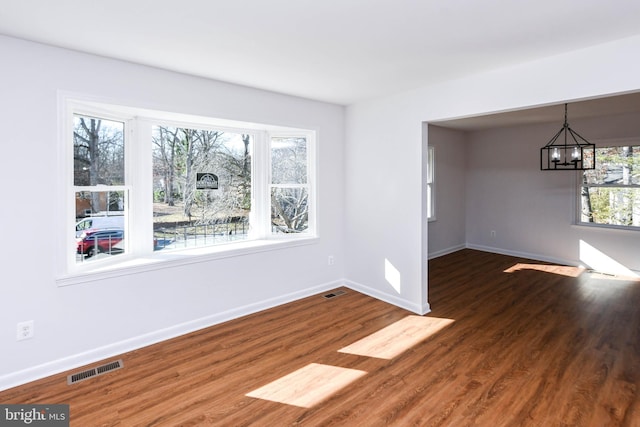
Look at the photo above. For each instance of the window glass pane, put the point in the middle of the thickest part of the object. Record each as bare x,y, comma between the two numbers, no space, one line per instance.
430,176
615,165
611,205
100,224
98,151
288,160
201,186
430,164
289,210
90,204
429,202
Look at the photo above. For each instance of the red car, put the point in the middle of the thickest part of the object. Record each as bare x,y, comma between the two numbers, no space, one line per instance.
100,241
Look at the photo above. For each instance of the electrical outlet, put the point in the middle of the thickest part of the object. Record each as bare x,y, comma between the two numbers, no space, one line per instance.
331,260
25,330
493,234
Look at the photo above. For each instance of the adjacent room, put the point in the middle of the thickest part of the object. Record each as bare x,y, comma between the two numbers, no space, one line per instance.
329,213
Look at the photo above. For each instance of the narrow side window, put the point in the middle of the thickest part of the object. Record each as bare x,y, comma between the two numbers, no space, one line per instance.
101,195
431,211
289,188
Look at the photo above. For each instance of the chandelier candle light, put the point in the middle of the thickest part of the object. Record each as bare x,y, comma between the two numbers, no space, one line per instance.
575,153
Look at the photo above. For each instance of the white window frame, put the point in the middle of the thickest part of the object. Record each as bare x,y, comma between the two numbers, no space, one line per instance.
579,179
139,254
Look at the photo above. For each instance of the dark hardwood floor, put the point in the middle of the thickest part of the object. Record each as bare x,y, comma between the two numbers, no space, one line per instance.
525,344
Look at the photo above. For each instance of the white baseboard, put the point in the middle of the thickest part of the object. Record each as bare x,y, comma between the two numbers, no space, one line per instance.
539,257
446,251
517,254
526,255
388,298
15,379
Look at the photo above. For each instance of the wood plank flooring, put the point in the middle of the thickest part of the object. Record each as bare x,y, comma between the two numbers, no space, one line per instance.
517,343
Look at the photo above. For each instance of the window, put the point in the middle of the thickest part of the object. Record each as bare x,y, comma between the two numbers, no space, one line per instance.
289,188
431,206
99,183
146,182
610,194
201,186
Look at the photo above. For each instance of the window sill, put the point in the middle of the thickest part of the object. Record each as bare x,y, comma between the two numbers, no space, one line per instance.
159,260
606,228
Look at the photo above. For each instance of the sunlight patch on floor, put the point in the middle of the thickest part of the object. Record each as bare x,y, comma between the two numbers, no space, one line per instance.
397,338
307,386
562,270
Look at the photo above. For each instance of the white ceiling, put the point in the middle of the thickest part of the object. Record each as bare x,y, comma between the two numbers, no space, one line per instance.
340,51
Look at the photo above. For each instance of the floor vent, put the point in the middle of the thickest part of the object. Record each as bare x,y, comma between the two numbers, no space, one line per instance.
94,372
335,294
602,273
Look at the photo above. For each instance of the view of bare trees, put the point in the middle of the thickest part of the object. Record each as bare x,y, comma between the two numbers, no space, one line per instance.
98,154
289,191
180,153
611,192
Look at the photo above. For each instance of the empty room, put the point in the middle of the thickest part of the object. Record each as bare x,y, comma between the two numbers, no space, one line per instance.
320,213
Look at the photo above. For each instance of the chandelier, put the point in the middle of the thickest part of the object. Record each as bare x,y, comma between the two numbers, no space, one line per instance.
572,152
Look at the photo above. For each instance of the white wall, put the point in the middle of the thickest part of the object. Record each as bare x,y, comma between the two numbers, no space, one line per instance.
81,323
532,211
447,232
384,199
385,208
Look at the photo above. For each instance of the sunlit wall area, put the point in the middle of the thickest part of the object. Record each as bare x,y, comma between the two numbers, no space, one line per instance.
600,261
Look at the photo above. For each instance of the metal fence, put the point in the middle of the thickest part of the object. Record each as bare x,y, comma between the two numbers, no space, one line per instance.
198,235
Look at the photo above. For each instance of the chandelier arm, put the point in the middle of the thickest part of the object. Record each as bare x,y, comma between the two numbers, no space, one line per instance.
574,134
555,137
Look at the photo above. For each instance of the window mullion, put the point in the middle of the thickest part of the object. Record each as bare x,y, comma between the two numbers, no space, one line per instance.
139,172
261,169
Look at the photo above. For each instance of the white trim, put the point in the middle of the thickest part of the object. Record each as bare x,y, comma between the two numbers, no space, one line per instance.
607,228
535,257
389,298
526,255
123,265
616,142
446,251
77,360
